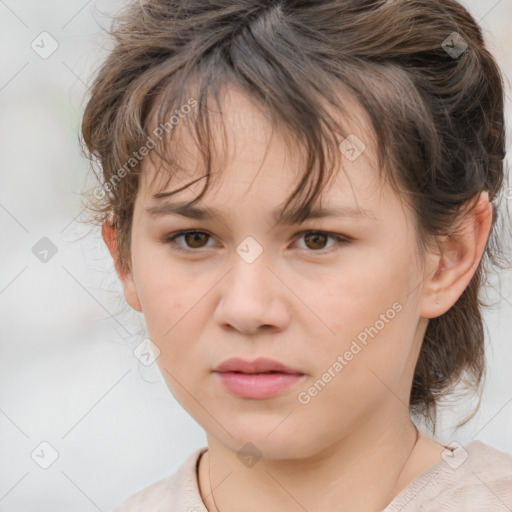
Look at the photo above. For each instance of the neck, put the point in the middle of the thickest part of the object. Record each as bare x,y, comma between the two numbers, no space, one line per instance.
363,471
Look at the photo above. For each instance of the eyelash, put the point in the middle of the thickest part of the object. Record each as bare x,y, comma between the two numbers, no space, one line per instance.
171,240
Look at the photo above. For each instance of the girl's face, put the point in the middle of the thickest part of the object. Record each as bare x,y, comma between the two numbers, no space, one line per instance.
346,313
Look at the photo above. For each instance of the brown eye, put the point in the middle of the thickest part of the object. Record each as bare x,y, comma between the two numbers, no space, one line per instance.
316,240
195,239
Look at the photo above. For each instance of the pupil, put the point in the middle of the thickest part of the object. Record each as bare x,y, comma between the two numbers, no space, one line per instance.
315,237
194,237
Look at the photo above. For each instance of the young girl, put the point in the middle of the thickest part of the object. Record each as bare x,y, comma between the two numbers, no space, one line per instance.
300,197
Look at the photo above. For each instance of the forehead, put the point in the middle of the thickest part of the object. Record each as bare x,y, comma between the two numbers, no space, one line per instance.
248,147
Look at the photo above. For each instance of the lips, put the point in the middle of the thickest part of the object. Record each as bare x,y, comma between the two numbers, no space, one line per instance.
257,380
260,365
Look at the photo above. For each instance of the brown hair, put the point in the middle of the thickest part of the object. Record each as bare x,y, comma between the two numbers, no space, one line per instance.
436,107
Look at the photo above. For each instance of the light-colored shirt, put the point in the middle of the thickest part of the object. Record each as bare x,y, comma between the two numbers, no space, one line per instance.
475,478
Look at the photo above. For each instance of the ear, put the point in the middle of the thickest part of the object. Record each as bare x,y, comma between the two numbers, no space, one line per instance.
453,267
109,235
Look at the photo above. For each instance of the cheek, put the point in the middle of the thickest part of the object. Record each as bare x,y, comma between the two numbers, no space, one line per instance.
351,300
368,314
176,311
165,298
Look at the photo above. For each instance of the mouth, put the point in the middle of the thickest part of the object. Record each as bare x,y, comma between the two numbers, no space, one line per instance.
260,379
258,386
262,365
255,373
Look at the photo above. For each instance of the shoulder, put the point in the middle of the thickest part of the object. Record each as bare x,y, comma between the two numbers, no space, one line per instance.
178,492
478,479
486,456
484,476
473,478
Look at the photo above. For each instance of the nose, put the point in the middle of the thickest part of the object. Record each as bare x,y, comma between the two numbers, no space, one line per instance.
253,298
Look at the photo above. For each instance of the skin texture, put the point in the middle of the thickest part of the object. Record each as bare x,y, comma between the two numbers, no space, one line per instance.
302,305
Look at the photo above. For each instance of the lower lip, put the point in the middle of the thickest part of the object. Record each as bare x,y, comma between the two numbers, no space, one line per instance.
258,385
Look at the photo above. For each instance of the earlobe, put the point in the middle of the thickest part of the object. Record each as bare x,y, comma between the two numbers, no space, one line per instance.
109,235
457,260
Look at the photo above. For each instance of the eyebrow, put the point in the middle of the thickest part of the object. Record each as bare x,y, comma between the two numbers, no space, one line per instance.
293,216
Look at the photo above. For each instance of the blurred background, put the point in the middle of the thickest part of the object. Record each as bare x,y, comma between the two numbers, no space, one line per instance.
83,423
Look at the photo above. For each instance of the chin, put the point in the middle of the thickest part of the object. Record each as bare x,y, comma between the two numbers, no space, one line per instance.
268,436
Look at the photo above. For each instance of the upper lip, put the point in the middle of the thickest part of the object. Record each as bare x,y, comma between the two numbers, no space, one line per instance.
260,365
